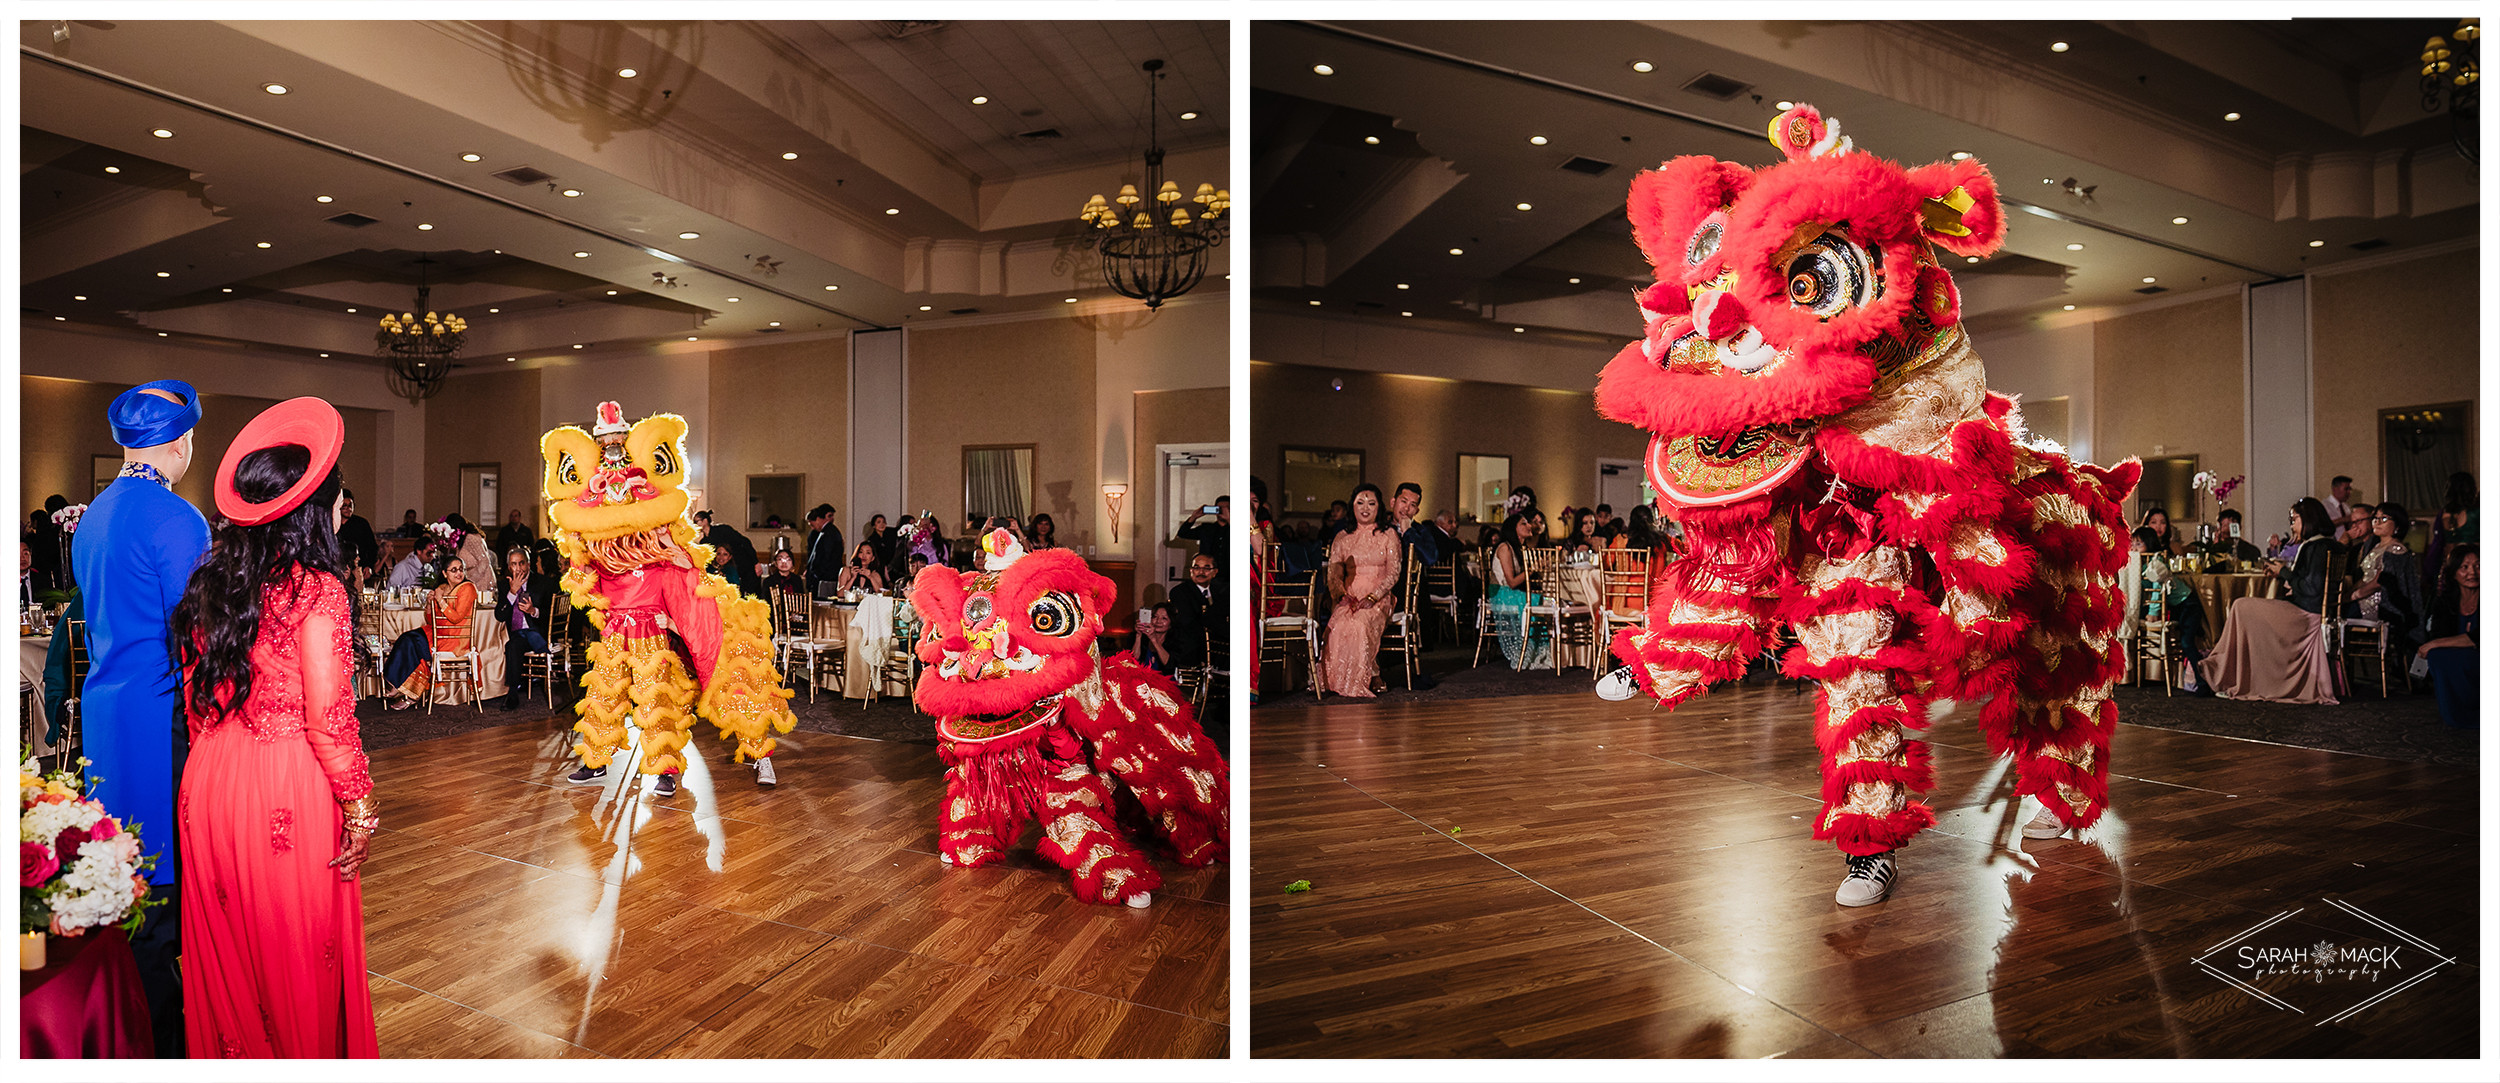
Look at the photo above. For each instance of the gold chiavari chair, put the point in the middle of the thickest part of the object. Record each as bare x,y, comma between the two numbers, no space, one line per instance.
458,664
801,650
1440,594
1399,637
1555,603
1623,590
1293,629
558,657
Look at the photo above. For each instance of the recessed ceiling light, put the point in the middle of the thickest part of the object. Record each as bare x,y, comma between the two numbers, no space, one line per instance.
626,73
274,88
321,199
263,244
1643,66
351,310
2058,47
690,338
1322,69
164,274
1458,251
78,297
2148,280
1960,155
730,299
1405,313
579,345
776,323
1402,285
611,293
1189,116
1785,106
2230,116
688,235
507,359
980,99
1970,259
63,319
425,225
1575,281
1526,207
1371,140
2181,220
790,156
1314,302
581,255
1067,300
1536,140
830,289
112,169
572,192
225,289
2070,308
1518,330
2317,244
468,157
494,310
162,334
924,308
2075,247
894,210
161,133
326,355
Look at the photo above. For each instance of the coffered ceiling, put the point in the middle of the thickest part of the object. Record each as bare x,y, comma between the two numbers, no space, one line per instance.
1474,173
745,179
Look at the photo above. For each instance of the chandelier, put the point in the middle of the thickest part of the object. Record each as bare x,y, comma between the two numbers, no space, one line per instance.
1157,252
419,349
2452,79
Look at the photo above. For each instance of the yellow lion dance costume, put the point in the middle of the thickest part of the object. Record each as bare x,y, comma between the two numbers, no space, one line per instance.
617,497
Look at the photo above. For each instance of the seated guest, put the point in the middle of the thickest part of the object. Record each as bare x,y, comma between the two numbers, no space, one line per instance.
1338,520
2456,523
783,575
522,602
1583,530
1363,567
2168,597
1507,572
2354,531
929,544
409,527
880,538
1197,615
862,573
25,575
913,565
1043,535
2155,535
2387,586
2272,649
2244,554
410,672
410,568
2456,622
1154,627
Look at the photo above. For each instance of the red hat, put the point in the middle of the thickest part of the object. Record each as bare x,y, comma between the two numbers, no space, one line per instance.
308,421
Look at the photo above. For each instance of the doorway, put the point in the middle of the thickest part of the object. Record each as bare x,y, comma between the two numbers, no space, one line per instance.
1194,475
1621,486
481,497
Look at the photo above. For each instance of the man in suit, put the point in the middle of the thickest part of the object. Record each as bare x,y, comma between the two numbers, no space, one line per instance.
523,600
825,554
25,575
357,535
726,538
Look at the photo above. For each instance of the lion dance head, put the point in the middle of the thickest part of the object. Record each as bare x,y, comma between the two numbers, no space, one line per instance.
617,493
1018,631
1786,296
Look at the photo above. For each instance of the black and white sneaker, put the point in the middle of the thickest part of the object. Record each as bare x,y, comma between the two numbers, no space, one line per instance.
666,786
1618,685
586,775
1869,880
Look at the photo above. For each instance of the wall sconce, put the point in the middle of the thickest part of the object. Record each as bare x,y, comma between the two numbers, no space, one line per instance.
1112,494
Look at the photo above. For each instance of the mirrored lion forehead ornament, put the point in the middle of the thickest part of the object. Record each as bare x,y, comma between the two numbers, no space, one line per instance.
1822,427
1034,724
632,559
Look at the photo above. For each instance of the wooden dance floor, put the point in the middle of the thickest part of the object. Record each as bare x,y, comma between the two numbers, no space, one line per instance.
1559,876
509,914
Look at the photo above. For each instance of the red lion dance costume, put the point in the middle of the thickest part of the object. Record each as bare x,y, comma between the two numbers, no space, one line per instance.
1825,433
618,498
1033,724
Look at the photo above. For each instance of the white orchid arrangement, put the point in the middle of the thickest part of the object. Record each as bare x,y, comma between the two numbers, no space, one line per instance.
67,518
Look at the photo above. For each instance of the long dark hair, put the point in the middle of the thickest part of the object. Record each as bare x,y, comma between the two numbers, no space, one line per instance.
1380,508
218,619
2452,596
2461,494
2313,520
1644,529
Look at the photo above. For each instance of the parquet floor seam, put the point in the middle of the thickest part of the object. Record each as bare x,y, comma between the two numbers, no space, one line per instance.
482,1013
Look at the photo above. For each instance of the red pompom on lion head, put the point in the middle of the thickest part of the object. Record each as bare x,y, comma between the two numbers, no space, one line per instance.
999,640
1784,296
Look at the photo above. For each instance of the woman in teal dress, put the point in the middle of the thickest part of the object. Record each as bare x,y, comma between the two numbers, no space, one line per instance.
1506,576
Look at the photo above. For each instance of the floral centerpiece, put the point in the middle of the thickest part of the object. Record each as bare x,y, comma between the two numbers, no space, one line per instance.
78,867
2217,550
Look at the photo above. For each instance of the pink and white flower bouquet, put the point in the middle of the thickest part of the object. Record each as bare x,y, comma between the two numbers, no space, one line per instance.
77,866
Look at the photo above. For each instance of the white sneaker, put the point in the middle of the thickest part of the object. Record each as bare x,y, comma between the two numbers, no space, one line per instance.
2046,825
1141,900
1618,686
1869,880
764,772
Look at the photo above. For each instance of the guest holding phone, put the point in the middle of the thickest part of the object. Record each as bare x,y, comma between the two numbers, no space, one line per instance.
1211,527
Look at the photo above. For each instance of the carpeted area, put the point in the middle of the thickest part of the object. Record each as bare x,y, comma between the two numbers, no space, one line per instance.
2400,727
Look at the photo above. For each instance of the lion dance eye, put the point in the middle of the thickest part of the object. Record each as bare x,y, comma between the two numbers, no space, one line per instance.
568,471
1705,243
1055,614
1828,275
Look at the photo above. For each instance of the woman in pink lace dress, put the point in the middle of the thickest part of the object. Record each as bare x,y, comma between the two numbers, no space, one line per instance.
277,804
1363,575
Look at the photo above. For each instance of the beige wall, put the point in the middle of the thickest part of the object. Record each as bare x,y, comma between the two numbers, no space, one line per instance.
2402,334
1413,428
62,425
1195,416
781,408
1025,382
2171,381
489,417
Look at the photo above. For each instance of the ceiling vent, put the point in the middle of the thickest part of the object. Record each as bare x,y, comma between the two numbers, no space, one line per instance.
521,174
352,220
961,311
1039,133
770,330
1580,163
2364,246
2154,289
1711,84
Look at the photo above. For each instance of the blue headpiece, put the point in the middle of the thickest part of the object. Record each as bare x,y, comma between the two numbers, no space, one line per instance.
144,420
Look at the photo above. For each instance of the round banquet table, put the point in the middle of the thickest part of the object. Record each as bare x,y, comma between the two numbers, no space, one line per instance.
30,655
486,636
2216,591
86,1002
